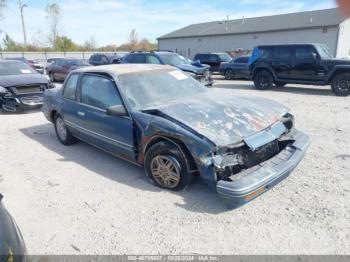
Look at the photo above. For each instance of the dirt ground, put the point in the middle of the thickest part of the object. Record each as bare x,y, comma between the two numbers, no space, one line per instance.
80,200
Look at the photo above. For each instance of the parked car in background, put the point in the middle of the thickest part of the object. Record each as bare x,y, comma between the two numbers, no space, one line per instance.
12,247
59,69
53,59
236,69
213,59
161,118
197,70
105,59
311,64
21,87
35,64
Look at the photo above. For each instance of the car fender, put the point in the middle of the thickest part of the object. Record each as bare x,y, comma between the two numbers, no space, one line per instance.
262,66
336,70
160,128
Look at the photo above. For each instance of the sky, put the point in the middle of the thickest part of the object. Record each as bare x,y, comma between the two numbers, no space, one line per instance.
110,21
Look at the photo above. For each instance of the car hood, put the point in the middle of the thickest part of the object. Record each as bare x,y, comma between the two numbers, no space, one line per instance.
192,68
223,118
25,79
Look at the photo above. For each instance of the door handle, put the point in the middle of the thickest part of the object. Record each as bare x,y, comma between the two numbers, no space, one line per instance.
81,113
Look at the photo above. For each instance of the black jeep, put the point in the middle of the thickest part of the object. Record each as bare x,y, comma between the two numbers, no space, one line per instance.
311,64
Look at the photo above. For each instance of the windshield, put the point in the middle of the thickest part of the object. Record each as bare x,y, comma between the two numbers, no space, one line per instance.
324,51
186,61
225,57
152,88
15,68
172,59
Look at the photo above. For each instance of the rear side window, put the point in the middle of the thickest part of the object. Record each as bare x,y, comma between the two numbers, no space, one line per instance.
213,58
201,57
100,92
137,59
266,52
283,52
70,88
242,60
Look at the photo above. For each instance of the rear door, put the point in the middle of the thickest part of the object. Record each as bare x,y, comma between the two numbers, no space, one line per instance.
111,133
241,67
282,61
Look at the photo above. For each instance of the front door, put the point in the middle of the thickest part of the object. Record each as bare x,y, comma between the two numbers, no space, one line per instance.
111,133
307,64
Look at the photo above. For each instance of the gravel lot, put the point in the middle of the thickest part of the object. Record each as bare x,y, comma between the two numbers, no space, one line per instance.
80,200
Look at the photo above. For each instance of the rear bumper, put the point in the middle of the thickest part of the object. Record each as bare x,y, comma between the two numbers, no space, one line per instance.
253,182
22,102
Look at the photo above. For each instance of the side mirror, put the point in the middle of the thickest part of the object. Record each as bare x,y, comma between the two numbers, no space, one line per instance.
314,56
118,110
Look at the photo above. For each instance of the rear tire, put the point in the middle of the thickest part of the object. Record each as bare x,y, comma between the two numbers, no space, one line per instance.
62,132
341,84
166,165
263,80
229,74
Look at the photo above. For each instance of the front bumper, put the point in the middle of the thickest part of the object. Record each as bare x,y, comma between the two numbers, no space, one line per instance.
21,103
255,181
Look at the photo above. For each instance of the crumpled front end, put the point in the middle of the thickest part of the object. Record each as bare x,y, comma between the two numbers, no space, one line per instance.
18,99
247,170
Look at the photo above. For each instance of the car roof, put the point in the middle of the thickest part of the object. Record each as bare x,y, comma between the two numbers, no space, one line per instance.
121,69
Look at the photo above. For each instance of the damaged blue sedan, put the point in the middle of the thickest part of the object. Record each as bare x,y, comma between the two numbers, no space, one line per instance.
162,119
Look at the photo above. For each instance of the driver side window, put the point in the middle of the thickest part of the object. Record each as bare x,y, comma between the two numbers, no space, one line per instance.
99,92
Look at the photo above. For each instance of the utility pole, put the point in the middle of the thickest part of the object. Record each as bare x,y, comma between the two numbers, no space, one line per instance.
22,6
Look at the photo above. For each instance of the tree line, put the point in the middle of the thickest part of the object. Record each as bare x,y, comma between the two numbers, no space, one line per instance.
55,41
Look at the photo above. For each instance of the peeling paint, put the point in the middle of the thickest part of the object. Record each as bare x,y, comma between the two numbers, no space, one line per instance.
225,118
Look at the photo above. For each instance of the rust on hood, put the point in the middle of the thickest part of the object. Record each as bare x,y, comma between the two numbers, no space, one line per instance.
224,118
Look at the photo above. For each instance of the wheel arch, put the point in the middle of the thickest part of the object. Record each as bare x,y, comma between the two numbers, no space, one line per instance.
176,142
337,71
53,115
264,68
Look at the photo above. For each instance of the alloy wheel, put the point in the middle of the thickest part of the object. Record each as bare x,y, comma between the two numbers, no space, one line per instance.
166,171
61,129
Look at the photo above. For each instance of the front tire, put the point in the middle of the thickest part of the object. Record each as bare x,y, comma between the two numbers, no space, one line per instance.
341,84
263,80
229,74
62,132
166,165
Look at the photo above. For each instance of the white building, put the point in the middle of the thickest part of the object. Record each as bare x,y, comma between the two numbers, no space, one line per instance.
242,35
